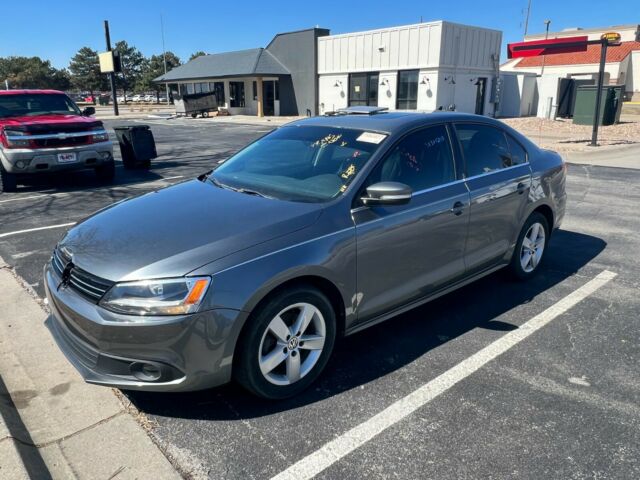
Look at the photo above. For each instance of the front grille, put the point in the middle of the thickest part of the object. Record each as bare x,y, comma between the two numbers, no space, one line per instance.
62,142
89,286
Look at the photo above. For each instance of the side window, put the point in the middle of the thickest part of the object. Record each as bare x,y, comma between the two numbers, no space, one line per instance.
518,153
421,160
485,148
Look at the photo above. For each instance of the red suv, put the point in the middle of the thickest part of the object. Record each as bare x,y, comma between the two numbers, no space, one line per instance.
45,131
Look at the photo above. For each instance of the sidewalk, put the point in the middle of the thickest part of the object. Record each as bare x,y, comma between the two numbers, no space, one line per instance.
52,424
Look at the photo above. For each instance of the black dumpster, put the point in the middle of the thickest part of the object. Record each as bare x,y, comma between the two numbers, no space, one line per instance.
610,105
137,145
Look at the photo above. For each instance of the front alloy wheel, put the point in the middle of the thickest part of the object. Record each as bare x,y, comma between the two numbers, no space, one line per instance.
292,344
286,343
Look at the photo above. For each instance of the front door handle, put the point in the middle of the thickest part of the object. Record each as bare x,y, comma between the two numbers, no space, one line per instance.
457,208
521,188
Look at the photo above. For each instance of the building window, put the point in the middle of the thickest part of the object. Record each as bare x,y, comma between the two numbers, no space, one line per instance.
255,90
218,89
190,88
407,90
363,89
236,94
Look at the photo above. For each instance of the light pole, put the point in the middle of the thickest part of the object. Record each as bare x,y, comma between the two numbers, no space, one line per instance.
526,20
164,57
546,37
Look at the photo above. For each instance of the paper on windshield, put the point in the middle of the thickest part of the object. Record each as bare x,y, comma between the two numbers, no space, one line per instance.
371,137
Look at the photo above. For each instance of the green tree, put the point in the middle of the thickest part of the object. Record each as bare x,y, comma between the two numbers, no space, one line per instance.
154,67
197,54
32,72
133,64
85,71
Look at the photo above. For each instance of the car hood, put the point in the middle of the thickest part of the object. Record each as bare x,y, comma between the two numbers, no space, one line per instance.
36,121
171,232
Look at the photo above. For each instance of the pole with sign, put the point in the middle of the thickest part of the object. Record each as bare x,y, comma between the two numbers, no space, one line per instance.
110,67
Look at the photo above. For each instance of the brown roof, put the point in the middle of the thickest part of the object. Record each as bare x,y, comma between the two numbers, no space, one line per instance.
592,55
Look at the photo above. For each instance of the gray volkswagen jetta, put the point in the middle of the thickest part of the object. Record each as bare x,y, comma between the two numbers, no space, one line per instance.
317,230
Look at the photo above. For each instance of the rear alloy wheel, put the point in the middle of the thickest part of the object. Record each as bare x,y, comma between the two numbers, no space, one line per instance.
106,172
287,345
530,248
8,181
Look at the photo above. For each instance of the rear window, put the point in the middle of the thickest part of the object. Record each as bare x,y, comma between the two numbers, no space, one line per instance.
36,104
485,148
518,153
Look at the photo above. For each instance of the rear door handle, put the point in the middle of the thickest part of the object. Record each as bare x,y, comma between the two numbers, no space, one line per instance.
457,208
521,188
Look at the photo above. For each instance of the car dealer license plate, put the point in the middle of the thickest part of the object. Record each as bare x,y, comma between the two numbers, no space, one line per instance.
67,158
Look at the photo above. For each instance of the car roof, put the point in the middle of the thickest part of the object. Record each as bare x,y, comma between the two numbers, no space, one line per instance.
29,91
390,122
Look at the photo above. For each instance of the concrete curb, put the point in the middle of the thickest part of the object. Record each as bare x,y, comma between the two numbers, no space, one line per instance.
55,425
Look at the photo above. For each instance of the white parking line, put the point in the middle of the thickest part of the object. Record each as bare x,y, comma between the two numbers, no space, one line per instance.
29,197
17,232
115,187
346,443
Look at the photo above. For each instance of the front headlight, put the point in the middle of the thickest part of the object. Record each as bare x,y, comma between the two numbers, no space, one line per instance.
171,296
14,140
100,134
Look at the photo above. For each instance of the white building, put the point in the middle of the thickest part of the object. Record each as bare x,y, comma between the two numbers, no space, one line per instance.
622,64
426,67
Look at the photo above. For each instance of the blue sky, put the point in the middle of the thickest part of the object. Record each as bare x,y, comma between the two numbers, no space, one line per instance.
56,29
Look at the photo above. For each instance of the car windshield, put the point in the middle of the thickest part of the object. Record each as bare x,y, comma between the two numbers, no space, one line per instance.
299,163
36,104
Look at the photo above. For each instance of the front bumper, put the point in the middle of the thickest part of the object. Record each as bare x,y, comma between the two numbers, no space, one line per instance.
192,352
46,159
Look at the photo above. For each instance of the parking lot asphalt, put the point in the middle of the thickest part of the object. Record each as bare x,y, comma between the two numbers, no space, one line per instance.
562,403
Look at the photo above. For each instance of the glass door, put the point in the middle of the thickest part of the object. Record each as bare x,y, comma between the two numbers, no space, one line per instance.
363,89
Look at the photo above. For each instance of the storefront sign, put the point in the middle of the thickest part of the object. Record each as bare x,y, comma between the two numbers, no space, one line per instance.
611,37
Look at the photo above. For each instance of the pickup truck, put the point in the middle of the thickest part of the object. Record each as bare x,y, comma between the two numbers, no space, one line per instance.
45,131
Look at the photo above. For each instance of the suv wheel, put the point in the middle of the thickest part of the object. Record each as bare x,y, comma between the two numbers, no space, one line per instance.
530,247
8,181
286,344
106,172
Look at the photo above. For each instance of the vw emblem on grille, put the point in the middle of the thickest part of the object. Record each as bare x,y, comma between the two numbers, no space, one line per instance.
66,275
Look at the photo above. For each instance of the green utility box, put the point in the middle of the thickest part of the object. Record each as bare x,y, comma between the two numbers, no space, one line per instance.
610,105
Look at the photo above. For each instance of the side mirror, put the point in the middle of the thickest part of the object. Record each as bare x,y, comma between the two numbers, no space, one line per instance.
387,193
88,111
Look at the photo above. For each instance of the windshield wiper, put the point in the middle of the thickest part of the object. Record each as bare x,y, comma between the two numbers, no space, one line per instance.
217,183
251,192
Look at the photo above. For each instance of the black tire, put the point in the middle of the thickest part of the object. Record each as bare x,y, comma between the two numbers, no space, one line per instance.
106,172
246,365
8,181
205,114
516,268
194,115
